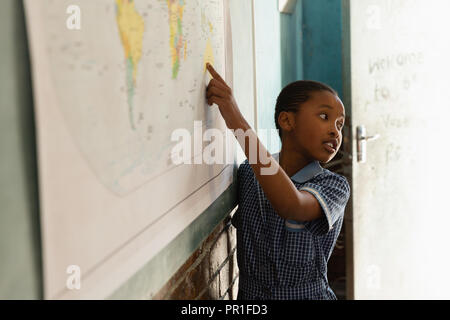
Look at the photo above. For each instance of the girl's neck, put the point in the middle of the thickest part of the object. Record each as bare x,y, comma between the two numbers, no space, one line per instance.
292,161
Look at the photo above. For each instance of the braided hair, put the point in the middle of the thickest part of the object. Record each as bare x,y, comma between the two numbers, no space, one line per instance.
296,93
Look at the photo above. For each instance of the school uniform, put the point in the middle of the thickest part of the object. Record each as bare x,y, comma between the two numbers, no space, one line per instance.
284,259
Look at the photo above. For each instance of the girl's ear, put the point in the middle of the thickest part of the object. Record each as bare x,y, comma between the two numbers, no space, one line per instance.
286,120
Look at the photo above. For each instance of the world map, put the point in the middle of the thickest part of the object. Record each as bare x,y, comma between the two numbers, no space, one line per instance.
126,84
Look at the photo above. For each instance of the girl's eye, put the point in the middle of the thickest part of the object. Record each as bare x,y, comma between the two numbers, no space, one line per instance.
341,125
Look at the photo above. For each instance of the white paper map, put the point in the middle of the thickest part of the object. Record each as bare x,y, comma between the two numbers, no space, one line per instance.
108,97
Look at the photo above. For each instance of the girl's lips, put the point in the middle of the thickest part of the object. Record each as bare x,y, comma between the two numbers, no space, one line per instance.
329,149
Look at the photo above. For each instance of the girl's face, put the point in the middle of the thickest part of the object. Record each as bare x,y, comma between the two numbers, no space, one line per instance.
318,121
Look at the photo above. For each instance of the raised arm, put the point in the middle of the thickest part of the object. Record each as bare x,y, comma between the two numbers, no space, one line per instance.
283,195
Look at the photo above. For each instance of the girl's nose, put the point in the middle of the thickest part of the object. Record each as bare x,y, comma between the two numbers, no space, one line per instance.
334,130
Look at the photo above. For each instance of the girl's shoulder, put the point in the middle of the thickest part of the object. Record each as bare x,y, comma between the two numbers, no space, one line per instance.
330,179
332,175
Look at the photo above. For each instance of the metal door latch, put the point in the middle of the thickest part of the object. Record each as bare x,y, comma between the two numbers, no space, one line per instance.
361,140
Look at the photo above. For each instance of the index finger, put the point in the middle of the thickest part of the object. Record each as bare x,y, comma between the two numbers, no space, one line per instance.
214,73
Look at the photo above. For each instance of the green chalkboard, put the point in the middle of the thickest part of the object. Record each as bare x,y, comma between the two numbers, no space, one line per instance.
20,253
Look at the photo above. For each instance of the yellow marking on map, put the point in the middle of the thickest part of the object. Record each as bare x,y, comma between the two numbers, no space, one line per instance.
131,27
208,56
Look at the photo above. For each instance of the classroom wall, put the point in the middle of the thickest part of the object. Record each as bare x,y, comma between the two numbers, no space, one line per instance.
322,42
268,68
20,254
291,45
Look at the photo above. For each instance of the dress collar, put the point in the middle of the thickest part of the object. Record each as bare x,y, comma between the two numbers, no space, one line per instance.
307,172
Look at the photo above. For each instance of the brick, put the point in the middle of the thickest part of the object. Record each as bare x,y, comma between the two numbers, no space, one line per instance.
194,279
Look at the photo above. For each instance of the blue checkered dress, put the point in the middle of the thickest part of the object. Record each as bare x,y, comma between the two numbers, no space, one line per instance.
284,259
